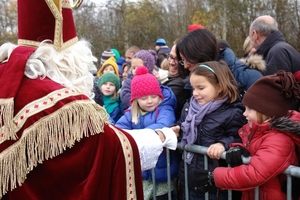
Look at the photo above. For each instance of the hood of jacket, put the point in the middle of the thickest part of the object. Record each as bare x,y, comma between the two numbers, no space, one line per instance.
289,125
255,62
230,58
169,97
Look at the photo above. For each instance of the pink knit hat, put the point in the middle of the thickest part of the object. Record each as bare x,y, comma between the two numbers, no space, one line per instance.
144,84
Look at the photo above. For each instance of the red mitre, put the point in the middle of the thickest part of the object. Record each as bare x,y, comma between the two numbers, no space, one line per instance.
194,27
40,20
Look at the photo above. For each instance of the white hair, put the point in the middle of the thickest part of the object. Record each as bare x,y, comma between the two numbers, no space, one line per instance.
69,67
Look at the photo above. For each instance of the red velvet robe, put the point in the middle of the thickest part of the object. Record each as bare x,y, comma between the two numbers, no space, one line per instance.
65,149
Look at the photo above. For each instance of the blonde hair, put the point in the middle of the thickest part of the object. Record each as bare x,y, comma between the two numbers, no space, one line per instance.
261,118
165,64
247,46
135,111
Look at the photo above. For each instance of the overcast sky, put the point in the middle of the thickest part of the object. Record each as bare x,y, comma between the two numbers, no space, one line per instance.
98,1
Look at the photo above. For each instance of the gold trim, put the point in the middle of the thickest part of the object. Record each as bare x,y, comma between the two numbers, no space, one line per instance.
77,119
129,163
42,104
7,127
32,43
77,4
13,125
57,13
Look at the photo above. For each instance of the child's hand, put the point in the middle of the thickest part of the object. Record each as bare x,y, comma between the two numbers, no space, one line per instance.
156,74
215,150
176,130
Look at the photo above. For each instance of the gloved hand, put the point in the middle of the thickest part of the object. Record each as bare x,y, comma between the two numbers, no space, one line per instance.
233,155
203,178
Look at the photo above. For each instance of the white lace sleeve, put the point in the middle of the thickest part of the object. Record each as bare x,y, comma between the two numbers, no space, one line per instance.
171,139
150,145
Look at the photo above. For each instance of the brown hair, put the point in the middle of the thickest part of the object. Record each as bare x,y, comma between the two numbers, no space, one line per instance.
219,74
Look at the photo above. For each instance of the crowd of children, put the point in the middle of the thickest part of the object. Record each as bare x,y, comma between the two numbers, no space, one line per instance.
139,95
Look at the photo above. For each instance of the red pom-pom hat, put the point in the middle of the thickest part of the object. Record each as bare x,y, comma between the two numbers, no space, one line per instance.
38,20
195,27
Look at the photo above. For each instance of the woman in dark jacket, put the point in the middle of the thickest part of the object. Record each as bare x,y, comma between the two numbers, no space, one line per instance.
197,46
177,82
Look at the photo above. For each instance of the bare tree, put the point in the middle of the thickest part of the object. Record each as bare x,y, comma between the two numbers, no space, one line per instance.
8,21
122,23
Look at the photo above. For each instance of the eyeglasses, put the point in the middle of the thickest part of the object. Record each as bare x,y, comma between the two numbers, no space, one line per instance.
181,62
184,61
171,58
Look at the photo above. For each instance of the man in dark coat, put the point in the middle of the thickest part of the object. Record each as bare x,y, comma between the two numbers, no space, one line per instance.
270,43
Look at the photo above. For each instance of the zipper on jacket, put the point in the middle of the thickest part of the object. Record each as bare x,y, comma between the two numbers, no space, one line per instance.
249,137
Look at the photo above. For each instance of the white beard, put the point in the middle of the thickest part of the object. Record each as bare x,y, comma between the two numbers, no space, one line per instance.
69,67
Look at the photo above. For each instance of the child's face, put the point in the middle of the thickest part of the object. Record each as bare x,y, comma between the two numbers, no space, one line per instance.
251,115
108,89
149,103
109,68
125,73
135,63
203,90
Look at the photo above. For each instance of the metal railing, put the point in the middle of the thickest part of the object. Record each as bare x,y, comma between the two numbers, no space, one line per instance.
291,171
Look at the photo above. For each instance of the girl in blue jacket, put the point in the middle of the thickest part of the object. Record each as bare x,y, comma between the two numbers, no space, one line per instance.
152,107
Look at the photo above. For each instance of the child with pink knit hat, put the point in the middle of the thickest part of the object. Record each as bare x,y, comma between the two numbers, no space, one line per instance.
152,107
141,58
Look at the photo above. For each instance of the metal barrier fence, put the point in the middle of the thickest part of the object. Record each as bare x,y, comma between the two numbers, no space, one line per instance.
291,171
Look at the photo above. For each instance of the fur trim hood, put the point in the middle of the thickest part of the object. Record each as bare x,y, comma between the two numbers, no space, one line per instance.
289,125
285,124
255,62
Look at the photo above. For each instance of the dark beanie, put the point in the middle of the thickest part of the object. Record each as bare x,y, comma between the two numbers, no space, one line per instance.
223,44
272,95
